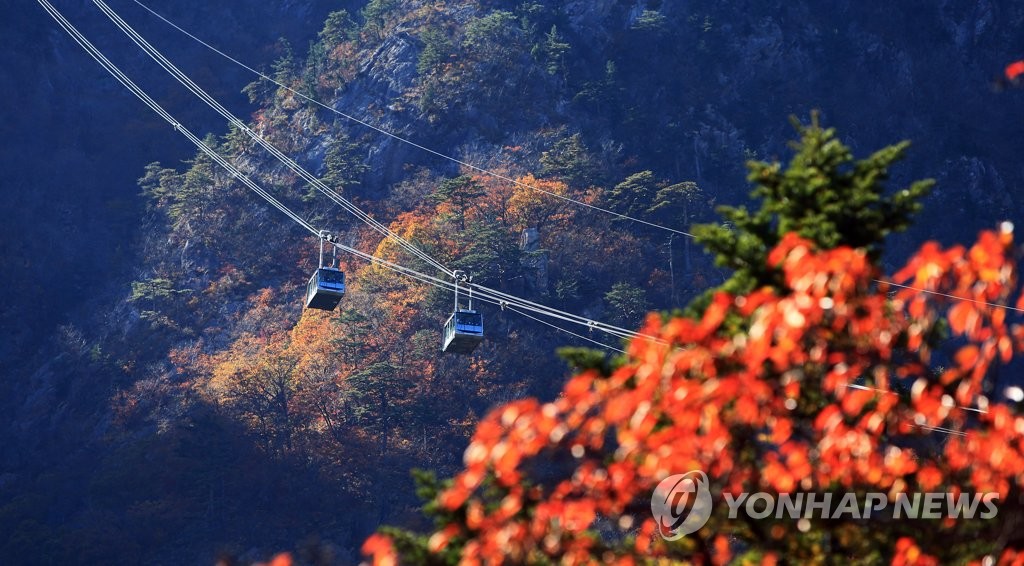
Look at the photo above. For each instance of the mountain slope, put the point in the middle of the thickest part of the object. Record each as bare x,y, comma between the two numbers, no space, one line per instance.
181,402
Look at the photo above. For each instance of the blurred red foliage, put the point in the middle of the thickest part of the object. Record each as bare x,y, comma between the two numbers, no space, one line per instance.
827,387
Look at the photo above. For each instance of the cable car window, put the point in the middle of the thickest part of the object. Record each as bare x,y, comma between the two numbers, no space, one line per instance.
473,320
332,276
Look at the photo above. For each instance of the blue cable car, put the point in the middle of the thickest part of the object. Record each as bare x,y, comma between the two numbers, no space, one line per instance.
464,330
327,285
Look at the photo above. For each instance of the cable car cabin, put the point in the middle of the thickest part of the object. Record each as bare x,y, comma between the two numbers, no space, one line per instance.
325,288
463,332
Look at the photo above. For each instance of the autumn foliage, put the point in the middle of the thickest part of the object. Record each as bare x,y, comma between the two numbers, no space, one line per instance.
838,382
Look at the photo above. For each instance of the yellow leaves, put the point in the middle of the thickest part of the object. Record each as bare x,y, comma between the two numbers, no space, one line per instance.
531,207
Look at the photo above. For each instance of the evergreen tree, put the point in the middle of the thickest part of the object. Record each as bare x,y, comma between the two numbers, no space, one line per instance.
158,183
494,38
492,253
375,16
339,27
678,206
556,50
343,164
628,303
285,70
437,48
634,195
194,197
824,195
569,160
286,66
806,398
460,192
316,66
651,21
372,391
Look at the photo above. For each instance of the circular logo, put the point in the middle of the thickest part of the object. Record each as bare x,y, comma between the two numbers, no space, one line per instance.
681,504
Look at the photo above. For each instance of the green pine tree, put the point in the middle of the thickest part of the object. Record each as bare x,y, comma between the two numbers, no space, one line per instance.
343,165
824,195
461,191
338,27
437,48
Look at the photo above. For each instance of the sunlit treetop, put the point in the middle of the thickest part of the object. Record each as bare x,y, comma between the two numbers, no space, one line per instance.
823,195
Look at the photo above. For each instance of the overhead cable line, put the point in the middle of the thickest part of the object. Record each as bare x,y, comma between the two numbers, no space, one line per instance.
484,293
949,296
450,286
470,166
210,101
114,71
182,78
502,300
580,336
405,140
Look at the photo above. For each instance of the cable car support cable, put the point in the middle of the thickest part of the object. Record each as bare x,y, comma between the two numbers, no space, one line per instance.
483,293
482,170
187,82
182,78
114,71
404,140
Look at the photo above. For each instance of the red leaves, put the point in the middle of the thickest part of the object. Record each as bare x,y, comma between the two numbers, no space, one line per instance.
967,356
809,397
929,478
439,540
963,317
909,554
380,549
578,515
1014,71
855,399
713,316
283,559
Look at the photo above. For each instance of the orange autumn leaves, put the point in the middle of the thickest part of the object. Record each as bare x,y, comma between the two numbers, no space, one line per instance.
827,387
